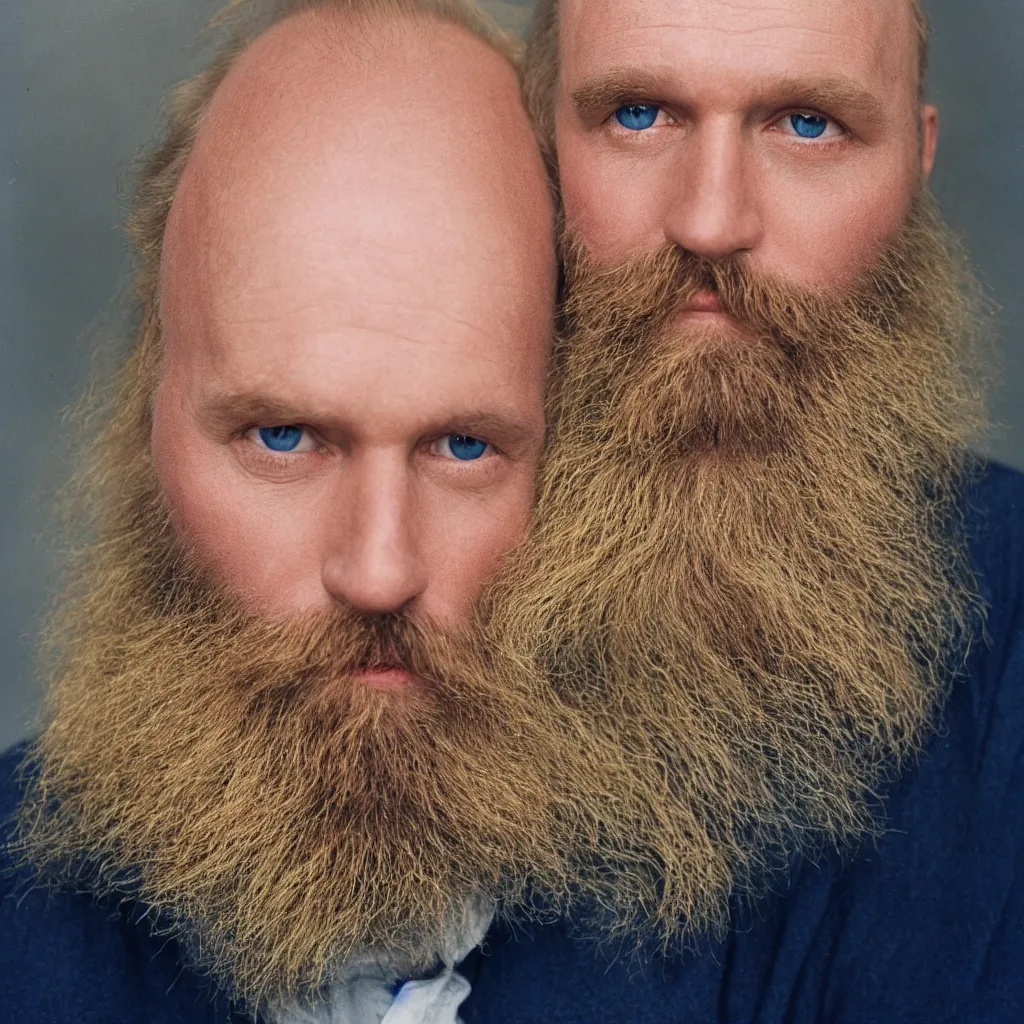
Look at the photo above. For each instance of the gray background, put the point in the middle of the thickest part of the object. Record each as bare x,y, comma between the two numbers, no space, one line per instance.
80,88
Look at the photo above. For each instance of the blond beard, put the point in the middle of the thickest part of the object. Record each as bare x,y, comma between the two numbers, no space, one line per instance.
277,818
745,572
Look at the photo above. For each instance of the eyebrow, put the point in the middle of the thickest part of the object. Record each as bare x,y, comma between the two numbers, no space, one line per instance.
598,95
831,94
225,412
603,93
493,425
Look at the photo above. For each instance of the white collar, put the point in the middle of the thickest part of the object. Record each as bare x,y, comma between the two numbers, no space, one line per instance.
364,992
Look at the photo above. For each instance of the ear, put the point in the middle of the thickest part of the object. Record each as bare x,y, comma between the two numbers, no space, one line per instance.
929,138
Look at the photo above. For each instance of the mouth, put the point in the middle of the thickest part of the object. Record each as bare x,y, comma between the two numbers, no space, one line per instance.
704,318
703,303
384,677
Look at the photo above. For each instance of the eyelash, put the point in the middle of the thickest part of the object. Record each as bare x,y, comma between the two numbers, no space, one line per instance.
493,449
611,122
256,453
841,134
621,131
307,434
277,459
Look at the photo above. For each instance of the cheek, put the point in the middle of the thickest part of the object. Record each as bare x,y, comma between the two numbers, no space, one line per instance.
615,204
253,543
826,235
464,543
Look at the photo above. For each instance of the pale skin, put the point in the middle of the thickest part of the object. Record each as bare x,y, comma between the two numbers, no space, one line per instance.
722,169
359,270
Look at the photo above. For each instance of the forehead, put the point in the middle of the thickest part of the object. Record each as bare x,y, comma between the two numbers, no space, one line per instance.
347,327
351,314
378,254
707,41
333,214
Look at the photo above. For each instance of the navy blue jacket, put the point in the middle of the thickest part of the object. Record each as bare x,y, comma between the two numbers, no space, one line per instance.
925,925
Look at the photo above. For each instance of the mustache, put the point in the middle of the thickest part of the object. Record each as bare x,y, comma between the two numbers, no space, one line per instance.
309,660
390,640
657,282
311,657
639,295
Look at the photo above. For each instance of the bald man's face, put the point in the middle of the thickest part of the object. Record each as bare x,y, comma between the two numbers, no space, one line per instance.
357,292
790,131
357,302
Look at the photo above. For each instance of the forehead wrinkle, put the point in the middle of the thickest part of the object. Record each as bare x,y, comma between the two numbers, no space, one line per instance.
355,320
385,332
645,43
689,21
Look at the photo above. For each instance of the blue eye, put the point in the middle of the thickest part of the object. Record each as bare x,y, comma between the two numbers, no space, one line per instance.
465,449
637,117
281,439
808,126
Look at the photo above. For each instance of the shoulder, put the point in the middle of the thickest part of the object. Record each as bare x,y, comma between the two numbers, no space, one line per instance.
11,762
927,923
993,521
978,754
934,913
993,517
996,487
64,955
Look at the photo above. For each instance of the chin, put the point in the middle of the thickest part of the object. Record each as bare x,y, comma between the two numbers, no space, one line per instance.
708,332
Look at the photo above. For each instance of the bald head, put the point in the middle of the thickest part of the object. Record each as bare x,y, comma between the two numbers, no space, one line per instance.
357,291
391,155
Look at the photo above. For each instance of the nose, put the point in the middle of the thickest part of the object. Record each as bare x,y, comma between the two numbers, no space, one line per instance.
374,561
713,211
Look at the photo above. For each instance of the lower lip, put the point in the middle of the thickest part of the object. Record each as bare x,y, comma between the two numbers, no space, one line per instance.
711,318
385,678
704,314
704,302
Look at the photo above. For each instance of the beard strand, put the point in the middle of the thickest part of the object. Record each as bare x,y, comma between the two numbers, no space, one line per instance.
275,816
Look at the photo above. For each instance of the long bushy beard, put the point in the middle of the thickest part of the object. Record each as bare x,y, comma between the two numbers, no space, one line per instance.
745,574
275,816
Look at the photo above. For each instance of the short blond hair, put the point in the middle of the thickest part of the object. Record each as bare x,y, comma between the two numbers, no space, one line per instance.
240,23
541,70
